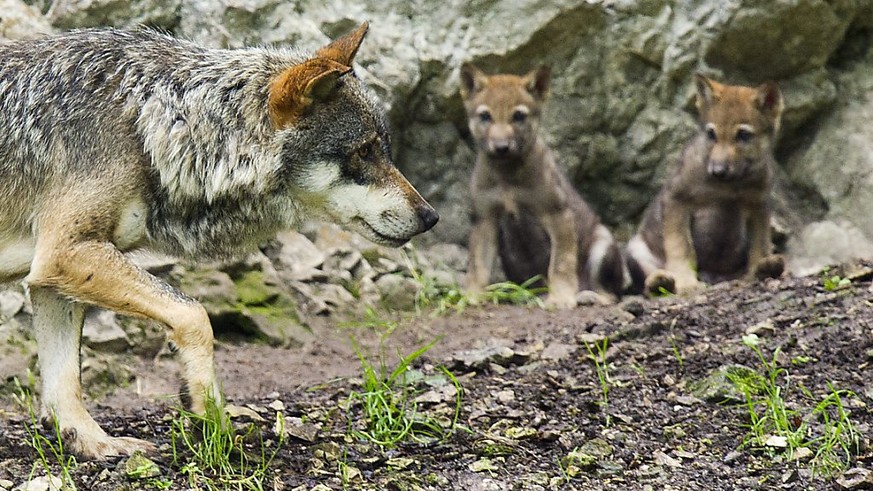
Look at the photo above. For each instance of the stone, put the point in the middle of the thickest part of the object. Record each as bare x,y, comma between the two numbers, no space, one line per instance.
558,351
138,466
67,14
11,303
397,291
294,253
824,243
42,483
476,358
22,21
102,332
718,388
856,478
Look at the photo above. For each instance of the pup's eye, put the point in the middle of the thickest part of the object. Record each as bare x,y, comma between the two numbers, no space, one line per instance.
365,151
744,135
710,134
485,117
519,116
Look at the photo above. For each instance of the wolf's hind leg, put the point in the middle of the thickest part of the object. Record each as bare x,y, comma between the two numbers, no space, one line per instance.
57,323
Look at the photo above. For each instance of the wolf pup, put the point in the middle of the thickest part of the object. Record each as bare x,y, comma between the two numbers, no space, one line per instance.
711,220
119,140
524,207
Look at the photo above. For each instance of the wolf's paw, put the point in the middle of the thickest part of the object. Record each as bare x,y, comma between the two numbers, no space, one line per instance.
659,283
771,266
98,446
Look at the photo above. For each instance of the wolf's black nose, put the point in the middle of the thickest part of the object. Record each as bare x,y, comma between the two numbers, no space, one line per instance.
428,216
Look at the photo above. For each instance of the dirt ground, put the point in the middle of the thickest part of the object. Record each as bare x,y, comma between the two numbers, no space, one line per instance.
530,396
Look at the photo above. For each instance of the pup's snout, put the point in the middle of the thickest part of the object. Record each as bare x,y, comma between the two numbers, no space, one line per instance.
719,170
428,217
501,148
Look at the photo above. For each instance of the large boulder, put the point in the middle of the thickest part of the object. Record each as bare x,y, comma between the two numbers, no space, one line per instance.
620,107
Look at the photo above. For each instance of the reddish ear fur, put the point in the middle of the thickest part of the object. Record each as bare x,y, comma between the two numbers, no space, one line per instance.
343,50
707,91
472,80
770,102
295,89
537,82
299,86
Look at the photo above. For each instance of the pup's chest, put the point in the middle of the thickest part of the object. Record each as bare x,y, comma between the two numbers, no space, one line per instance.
510,199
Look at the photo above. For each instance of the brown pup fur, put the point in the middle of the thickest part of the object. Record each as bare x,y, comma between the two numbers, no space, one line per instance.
711,220
524,207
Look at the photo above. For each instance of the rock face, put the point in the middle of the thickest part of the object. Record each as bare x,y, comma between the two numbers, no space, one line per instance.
620,106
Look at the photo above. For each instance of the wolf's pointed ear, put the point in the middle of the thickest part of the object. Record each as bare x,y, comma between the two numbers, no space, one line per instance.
537,82
343,49
295,89
770,103
472,80
707,91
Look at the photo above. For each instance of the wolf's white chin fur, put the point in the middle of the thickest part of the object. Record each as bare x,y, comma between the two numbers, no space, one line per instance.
381,214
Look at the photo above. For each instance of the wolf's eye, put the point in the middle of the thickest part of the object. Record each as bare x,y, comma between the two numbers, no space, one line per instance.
710,134
744,135
519,116
485,117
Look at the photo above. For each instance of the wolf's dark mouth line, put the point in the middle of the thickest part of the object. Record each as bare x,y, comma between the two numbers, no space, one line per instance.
381,237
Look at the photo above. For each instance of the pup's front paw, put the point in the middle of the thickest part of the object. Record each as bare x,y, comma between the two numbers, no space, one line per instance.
592,298
771,266
475,296
687,285
659,283
560,301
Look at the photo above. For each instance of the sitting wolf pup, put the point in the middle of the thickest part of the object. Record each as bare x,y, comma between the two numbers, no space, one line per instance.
711,220
524,207
119,140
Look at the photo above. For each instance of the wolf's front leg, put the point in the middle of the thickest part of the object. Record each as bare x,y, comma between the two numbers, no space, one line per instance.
97,273
563,260
57,324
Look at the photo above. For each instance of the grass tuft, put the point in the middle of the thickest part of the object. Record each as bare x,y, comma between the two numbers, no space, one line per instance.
442,299
824,430
390,414
597,352
213,456
49,451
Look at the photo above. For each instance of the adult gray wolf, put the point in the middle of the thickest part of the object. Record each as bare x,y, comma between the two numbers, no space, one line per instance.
119,140
711,220
524,207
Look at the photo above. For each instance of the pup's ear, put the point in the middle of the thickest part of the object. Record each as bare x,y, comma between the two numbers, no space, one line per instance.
707,91
770,103
537,82
472,80
295,89
343,49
